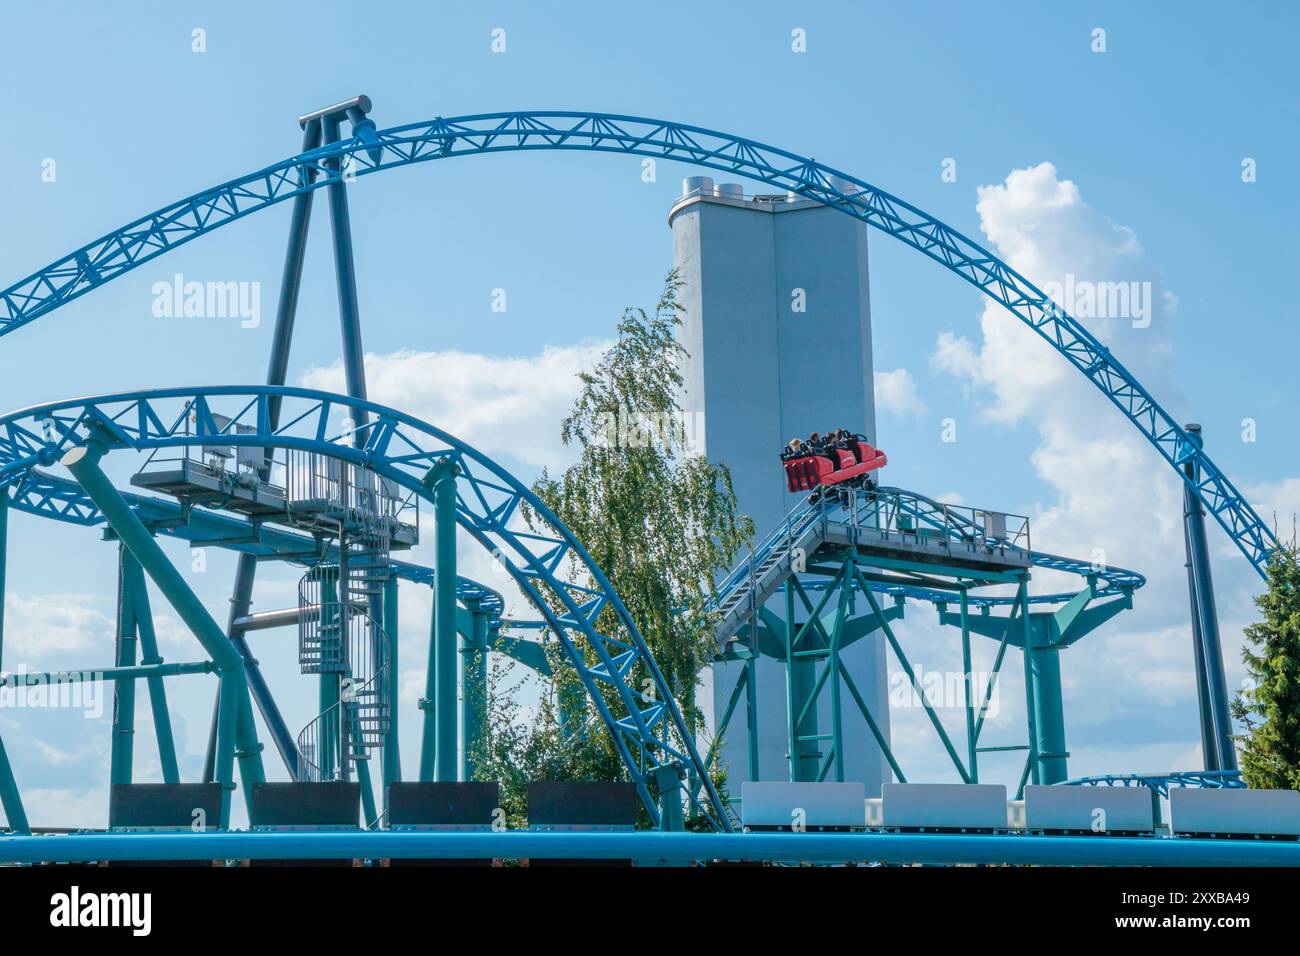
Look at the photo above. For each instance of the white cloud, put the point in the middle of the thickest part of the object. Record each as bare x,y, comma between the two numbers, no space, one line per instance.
1112,492
66,807
1112,496
1278,503
46,624
896,393
501,405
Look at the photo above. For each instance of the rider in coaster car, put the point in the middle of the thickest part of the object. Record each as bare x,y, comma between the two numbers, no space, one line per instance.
793,450
845,439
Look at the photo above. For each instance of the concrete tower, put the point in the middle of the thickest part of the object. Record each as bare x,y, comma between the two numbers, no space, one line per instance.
778,331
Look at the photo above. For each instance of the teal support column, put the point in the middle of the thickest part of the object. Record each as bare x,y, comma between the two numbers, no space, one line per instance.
429,717
4,559
10,800
438,756
668,779
392,753
122,753
968,689
1031,716
473,688
801,684
751,713
330,757
162,722
1049,709
236,716
833,666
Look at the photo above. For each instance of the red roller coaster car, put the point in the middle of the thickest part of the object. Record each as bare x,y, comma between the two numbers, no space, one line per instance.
833,466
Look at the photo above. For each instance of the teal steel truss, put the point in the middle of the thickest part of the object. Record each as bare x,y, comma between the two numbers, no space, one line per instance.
369,150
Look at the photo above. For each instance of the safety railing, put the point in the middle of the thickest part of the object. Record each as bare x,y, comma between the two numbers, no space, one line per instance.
911,517
325,481
309,481
887,513
359,720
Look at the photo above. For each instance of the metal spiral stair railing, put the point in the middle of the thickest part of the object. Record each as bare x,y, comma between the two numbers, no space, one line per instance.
347,640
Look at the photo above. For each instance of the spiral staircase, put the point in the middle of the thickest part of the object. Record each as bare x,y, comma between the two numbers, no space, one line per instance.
339,629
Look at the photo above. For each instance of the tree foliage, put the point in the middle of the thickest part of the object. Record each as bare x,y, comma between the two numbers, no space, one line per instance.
658,519
1270,707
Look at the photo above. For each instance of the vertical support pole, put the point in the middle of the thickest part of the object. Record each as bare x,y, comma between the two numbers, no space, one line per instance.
669,783
801,683
833,662
1049,708
968,683
9,797
751,711
162,722
330,757
392,754
122,754
4,558
429,718
439,755
1026,633
345,272
1207,615
1209,750
473,688
241,598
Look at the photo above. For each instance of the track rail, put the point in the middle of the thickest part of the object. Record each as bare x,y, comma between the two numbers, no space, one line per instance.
159,232
614,664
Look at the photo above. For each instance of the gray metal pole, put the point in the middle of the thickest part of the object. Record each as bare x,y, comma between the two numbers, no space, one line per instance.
346,275
1211,647
1209,749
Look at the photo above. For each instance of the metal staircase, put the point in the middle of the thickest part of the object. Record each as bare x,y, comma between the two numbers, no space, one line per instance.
766,568
878,519
339,630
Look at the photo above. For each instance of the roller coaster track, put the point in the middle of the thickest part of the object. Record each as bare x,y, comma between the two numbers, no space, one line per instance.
614,664
371,151
766,567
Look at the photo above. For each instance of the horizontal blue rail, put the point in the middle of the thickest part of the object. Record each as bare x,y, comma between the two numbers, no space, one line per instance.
680,848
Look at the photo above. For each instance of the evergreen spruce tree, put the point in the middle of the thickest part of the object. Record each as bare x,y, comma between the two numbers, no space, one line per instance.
1270,706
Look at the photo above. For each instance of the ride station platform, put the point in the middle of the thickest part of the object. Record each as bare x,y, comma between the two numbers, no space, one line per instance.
316,494
889,529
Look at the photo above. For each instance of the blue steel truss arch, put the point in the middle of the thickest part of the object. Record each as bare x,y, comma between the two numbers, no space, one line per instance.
371,151
645,725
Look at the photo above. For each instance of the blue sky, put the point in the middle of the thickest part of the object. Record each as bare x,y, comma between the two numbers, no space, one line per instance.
1152,133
